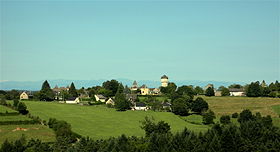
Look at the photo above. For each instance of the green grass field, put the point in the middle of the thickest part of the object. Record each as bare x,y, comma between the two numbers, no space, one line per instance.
14,118
11,132
99,122
4,109
229,105
102,122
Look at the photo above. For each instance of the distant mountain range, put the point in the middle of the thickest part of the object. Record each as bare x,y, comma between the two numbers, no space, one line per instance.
36,85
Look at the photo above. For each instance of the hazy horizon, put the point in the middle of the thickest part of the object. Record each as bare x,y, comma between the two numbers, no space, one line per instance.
236,41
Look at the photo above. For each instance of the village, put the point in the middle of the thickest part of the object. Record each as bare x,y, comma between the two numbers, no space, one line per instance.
132,95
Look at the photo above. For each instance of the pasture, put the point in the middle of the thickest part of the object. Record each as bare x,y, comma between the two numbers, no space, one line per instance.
4,109
13,132
99,122
229,105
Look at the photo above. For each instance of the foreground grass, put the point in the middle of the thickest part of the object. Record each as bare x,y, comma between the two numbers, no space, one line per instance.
99,122
11,133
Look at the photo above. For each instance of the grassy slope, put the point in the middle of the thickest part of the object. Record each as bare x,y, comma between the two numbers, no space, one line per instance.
4,109
101,122
14,118
33,131
229,105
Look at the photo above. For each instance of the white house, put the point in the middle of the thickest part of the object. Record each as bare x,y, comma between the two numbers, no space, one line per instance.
23,96
100,97
73,100
236,92
140,106
110,101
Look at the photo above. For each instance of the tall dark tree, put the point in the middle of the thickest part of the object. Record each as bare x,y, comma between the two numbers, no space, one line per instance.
245,115
199,105
22,108
208,117
186,90
121,103
272,87
277,84
46,93
254,90
209,92
112,85
72,91
180,107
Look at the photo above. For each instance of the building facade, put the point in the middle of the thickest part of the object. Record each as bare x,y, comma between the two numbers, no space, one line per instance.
164,81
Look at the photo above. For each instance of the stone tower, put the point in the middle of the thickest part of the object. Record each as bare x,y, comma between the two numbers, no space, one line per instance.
164,81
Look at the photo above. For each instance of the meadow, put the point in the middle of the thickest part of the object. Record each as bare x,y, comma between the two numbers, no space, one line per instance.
99,122
4,109
229,105
13,132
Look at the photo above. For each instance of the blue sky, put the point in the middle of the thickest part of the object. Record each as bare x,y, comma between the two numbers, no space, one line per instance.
140,40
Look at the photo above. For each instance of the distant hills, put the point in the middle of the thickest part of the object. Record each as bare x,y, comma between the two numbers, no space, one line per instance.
36,85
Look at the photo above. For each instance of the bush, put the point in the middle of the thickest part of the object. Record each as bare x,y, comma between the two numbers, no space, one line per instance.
209,92
15,104
246,115
225,119
208,117
234,115
19,122
199,105
3,100
180,107
22,108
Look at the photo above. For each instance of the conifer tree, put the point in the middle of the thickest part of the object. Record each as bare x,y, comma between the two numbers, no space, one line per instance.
73,91
46,93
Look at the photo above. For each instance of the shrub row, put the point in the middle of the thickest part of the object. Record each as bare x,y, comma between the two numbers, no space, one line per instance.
19,122
9,114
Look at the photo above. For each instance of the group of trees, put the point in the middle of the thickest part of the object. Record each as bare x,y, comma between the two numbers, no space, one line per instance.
257,89
10,95
254,133
182,100
184,89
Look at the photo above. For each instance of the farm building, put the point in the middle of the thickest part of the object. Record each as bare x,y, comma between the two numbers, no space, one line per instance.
236,92
218,93
73,100
140,106
23,96
100,97
166,105
110,101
